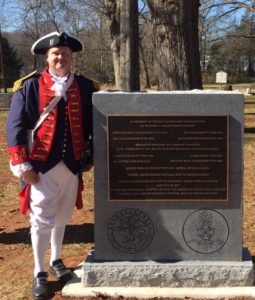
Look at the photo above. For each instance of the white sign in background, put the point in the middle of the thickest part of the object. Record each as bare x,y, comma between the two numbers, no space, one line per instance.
221,77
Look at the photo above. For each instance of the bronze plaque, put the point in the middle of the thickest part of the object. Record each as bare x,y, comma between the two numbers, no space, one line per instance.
168,157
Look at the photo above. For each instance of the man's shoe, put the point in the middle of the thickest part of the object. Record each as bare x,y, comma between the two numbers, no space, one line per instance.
59,270
40,286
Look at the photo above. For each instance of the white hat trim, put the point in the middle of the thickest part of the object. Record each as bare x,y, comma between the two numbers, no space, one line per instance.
50,34
42,38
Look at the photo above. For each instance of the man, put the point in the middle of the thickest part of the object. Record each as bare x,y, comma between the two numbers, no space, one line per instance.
52,167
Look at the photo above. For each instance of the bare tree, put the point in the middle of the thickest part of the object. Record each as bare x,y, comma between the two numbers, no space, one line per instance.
112,10
247,4
35,23
191,9
129,45
222,43
173,22
122,18
2,63
145,67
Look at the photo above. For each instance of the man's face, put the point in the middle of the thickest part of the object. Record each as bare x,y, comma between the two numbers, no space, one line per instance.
59,60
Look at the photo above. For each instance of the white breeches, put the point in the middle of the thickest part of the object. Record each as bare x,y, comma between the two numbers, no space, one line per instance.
52,199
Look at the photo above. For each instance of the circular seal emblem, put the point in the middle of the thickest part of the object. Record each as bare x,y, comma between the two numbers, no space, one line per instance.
205,231
130,230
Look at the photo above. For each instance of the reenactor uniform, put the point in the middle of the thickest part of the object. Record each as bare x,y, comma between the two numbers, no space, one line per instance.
57,153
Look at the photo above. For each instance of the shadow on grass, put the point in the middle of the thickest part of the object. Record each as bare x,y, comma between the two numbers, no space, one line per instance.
249,130
83,233
75,234
54,287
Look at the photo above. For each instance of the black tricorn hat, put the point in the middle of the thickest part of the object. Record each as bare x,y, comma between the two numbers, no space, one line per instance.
56,39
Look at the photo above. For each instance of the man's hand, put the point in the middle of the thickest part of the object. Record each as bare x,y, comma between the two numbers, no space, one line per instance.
30,176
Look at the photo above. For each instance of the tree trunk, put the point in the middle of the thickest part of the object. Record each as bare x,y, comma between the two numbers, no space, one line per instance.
115,46
191,9
2,64
173,45
112,12
145,68
129,45
122,18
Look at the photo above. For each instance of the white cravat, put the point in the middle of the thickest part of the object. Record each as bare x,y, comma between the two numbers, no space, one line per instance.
61,84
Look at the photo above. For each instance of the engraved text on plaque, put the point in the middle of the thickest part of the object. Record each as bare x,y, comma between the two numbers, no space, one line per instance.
168,157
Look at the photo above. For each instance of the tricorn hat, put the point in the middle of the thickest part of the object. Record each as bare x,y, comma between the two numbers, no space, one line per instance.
56,39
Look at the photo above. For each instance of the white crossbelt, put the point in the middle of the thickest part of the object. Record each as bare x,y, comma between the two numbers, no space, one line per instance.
60,92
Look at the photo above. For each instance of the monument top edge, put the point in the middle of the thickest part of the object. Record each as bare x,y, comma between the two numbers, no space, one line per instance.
170,92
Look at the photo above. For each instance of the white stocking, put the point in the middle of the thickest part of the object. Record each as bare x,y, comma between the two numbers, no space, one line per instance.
57,236
40,243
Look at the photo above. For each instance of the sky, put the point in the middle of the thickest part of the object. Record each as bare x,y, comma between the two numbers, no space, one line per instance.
10,14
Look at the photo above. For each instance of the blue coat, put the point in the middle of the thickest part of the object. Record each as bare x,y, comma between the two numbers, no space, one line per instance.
24,113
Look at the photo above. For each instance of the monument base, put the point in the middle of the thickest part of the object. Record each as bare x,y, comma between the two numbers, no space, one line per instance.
167,274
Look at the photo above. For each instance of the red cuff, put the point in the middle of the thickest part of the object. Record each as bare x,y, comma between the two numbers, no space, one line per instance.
18,154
